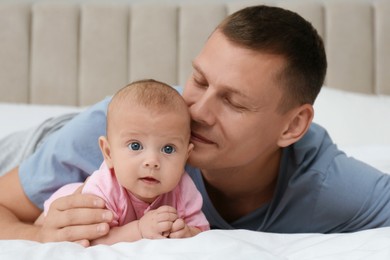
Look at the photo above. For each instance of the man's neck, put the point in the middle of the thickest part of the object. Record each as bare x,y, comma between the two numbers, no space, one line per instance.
239,191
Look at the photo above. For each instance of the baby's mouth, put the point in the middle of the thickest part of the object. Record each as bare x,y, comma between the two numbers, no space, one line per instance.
149,180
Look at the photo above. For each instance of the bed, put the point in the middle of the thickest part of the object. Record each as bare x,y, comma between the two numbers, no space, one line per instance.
59,57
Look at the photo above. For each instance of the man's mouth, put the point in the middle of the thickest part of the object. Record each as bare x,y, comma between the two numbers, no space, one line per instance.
198,138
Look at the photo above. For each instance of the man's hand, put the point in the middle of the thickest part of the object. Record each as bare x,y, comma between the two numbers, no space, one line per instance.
157,223
77,218
73,218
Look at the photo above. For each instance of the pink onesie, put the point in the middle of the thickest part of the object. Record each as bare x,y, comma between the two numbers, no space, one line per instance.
126,207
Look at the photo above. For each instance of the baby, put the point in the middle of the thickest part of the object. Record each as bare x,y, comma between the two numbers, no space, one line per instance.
142,178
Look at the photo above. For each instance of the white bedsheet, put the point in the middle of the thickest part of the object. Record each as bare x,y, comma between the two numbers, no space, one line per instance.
218,244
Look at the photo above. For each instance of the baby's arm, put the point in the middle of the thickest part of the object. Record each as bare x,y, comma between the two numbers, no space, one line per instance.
192,221
125,233
154,224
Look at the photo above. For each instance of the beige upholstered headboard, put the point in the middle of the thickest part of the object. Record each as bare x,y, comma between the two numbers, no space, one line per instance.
77,53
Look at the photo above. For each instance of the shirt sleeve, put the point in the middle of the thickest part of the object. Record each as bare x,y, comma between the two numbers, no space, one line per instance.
190,204
354,196
68,155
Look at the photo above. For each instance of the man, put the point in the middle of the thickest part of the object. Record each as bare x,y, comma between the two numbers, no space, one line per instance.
258,161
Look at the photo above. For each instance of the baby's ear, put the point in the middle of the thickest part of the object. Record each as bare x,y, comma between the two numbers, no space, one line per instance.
190,148
106,151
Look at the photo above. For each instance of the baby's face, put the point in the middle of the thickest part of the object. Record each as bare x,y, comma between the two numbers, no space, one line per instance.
149,150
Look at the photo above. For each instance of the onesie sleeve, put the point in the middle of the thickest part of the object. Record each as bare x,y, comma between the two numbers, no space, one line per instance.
190,204
103,184
68,155
61,192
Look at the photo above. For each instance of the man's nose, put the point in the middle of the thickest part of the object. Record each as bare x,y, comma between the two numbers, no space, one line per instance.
202,110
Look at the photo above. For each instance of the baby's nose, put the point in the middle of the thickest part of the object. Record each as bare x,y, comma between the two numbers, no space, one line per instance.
152,164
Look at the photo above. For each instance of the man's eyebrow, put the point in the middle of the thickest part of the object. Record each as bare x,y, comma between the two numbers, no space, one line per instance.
228,88
197,68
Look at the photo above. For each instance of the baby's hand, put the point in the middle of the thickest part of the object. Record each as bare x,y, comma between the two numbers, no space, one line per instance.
157,223
181,230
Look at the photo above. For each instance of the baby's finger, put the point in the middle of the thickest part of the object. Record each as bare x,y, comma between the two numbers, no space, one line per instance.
167,209
164,227
166,217
83,242
165,234
178,225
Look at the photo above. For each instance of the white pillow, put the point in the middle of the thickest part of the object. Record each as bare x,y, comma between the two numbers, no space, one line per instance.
16,117
354,119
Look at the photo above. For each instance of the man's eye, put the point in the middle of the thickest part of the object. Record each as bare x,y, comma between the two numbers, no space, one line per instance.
200,83
168,149
135,146
234,105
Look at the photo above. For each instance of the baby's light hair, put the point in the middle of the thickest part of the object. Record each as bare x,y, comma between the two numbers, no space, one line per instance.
148,93
151,94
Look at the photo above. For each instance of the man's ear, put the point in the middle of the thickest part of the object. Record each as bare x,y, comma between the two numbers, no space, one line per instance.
297,125
106,151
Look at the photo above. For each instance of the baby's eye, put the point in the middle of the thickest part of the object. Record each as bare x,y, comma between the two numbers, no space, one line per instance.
168,149
135,146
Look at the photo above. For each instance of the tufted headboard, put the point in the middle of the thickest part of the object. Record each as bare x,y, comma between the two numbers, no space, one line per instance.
75,53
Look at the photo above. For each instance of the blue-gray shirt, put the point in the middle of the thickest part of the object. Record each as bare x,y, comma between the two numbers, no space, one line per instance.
319,188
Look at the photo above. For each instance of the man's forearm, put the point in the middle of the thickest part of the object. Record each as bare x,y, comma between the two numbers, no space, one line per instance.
17,212
72,218
12,228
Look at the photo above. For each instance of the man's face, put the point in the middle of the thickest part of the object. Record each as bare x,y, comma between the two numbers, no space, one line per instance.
233,95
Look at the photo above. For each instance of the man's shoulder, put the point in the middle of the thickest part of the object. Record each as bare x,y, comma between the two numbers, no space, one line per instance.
315,136
315,150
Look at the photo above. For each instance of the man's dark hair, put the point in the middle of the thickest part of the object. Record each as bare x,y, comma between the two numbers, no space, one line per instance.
282,32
